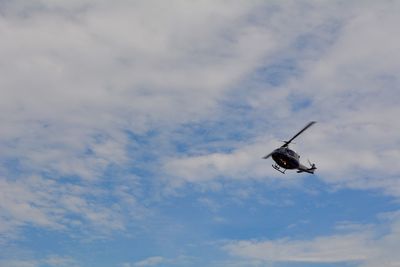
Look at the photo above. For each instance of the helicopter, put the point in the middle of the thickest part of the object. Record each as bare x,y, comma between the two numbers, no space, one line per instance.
287,159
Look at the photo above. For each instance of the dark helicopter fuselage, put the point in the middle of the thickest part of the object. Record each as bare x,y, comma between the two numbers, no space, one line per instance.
286,158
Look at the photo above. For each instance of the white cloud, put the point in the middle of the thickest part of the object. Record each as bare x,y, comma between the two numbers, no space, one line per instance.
44,203
353,88
366,246
76,75
347,74
113,66
51,261
243,163
160,261
152,261
340,248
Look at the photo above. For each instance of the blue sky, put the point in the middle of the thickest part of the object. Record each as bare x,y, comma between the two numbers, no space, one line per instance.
132,133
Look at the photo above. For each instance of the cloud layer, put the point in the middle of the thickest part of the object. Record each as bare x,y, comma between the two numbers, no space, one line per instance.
345,80
361,245
107,108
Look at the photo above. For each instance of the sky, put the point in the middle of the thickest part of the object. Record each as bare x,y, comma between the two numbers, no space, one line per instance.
132,133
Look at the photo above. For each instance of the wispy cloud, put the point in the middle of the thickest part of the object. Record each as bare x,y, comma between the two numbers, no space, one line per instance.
106,107
160,261
344,85
52,261
364,245
67,103
342,248
44,203
152,261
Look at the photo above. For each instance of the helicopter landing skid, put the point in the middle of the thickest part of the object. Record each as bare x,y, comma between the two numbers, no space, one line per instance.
276,167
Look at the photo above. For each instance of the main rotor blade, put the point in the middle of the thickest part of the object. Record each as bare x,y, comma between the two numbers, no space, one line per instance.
305,128
267,156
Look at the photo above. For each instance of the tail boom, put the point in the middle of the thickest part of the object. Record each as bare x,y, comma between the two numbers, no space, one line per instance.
303,168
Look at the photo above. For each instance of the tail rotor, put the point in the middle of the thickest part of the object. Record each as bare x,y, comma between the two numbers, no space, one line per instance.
312,165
